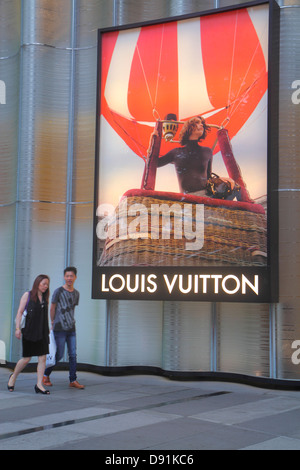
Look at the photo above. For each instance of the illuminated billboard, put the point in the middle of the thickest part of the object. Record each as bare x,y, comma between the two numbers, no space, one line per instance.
186,158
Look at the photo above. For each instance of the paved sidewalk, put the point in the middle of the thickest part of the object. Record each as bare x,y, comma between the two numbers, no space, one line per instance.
142,412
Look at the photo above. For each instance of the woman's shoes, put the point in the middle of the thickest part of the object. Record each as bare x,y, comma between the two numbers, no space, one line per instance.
43,392
10,388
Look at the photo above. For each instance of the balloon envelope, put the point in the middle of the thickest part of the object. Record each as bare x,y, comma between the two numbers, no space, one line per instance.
214,65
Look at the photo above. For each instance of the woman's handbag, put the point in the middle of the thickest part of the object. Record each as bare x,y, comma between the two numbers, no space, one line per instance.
50,359
24,314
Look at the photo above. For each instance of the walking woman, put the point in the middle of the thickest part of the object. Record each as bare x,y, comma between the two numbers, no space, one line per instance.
35,334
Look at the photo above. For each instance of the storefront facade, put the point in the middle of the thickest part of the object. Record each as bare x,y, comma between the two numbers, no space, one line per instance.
48,73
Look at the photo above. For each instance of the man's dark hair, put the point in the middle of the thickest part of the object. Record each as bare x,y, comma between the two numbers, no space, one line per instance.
72,269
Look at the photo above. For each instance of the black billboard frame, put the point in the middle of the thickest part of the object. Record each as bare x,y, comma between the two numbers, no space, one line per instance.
268,276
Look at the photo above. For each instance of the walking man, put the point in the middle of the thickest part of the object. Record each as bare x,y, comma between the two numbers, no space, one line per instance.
62,315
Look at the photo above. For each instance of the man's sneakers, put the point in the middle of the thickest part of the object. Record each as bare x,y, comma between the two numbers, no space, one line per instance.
75,384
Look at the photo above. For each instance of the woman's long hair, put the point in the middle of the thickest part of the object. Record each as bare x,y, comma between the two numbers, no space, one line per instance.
35,287
188,128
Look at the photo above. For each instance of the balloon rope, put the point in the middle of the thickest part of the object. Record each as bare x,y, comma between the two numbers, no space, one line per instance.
159,64
144,73
232,61
153,104
236,103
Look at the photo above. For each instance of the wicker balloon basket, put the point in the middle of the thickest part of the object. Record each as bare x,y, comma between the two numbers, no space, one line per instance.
235,234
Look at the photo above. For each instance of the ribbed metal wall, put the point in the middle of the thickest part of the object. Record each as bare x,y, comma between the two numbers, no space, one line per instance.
287,312
48,55
10,21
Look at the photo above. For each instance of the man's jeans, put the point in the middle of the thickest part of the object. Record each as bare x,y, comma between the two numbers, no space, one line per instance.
61,338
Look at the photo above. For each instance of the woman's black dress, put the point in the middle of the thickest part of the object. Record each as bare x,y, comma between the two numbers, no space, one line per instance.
35,335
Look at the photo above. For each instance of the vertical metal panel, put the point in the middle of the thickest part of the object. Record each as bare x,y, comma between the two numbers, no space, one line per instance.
47,23
288,326
10,13
90,314
228,3
84,125
135,334
182,7
186,336
44,123
10,31
9,113
39,251
273,345
87,17
91,15
7,239
43,148
244,339
71,111
131,11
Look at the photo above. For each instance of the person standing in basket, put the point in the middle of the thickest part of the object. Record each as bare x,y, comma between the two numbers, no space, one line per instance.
193,162
35,334
62,314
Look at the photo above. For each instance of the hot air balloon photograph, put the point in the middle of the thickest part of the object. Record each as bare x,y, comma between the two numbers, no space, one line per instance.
182,144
